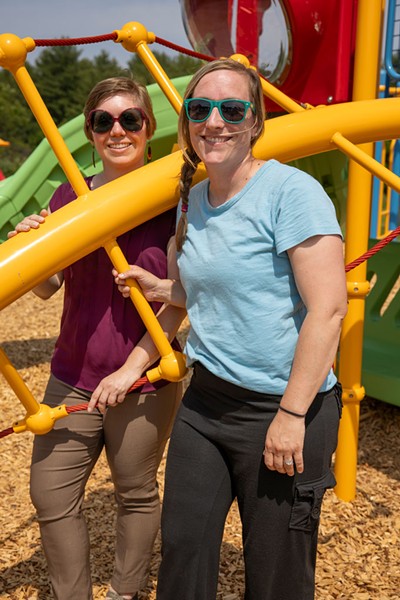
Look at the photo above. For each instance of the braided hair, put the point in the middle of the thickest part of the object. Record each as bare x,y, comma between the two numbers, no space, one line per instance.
189,167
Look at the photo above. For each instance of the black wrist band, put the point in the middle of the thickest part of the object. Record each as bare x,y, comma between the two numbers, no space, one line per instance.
290,412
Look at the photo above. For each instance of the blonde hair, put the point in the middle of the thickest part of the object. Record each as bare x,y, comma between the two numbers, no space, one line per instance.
190,158
115,86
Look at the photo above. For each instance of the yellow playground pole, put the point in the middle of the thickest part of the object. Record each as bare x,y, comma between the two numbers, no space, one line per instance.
134,37
366,71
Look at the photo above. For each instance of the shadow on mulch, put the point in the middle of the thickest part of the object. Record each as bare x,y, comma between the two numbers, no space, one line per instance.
29,353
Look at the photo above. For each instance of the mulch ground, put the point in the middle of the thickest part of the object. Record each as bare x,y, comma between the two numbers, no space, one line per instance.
359,545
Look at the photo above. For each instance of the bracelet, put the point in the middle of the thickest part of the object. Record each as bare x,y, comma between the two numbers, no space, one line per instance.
290,412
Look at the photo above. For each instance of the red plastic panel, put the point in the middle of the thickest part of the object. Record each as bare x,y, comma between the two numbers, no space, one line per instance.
304,47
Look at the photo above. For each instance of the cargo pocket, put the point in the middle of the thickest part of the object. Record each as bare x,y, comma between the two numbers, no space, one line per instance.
307,503
338,395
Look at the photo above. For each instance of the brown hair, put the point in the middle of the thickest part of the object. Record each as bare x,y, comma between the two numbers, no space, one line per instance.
115,86
191,160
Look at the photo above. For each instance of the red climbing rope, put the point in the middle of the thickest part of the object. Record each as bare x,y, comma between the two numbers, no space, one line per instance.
113,36
6,432
381,244
83,406
77,41
183,50
78,407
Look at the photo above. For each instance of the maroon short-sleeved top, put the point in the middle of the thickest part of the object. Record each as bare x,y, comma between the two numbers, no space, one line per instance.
99,327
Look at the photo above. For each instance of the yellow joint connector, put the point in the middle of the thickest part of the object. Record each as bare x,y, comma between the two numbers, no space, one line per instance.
41,421
354,394
132,35
357,289
243,60
13,50
171,367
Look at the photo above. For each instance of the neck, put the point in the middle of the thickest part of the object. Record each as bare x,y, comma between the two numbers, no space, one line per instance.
225,186
109,174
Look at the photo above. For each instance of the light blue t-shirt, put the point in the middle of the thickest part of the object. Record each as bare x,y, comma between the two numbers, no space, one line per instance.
244,309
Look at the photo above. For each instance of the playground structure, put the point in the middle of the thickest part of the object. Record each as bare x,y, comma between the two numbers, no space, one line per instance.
97,218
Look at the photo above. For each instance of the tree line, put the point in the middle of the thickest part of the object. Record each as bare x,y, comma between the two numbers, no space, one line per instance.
64,79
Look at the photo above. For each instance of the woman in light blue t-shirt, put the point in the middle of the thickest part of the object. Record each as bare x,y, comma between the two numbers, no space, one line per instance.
261,269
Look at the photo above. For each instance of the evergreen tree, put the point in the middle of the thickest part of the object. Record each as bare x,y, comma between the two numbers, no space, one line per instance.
17,125
57,75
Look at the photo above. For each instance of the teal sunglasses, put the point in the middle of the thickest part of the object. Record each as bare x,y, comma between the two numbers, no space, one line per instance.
231,109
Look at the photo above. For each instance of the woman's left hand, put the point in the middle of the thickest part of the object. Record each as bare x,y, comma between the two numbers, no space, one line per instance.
284,444
112,390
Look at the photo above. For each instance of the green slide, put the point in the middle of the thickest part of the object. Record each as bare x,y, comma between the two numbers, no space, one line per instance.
31,187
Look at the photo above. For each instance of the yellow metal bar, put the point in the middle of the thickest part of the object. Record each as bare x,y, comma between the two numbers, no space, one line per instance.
385,198
381,196
172,365
50,130
135,38
366,70
13,52
142,306
280,98
272,92
150,61
39,418
310,132
17,384
365,160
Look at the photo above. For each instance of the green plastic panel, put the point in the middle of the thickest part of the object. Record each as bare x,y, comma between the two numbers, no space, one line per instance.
381,350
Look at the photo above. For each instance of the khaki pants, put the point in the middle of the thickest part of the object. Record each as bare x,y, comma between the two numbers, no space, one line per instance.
133,435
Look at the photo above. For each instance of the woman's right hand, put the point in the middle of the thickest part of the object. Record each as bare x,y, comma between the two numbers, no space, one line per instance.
27,223
167,291
151,285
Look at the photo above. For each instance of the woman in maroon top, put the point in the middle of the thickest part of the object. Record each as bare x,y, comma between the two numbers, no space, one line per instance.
102,349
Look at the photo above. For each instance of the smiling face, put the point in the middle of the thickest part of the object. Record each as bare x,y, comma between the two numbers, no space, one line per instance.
215,141
120,150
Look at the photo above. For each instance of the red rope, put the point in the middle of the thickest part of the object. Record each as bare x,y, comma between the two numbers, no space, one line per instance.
381,244
77,41
6,432
113,36
159,40
78,407
139,383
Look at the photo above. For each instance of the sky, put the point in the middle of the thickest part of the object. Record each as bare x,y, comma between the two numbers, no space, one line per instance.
50,19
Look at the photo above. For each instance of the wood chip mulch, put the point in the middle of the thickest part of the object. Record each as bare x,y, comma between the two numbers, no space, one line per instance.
359,544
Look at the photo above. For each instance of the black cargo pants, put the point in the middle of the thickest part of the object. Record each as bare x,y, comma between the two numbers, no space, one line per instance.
215,456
